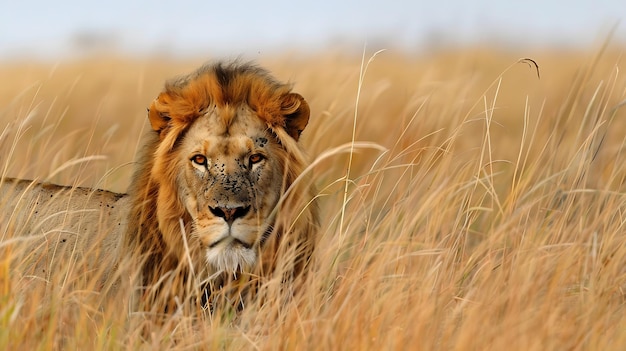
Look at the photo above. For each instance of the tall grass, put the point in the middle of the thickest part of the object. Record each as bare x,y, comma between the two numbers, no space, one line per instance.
467,204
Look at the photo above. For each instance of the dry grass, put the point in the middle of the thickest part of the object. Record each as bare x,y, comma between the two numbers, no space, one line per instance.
483,208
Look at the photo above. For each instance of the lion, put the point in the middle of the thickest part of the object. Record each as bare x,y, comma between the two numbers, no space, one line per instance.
218,202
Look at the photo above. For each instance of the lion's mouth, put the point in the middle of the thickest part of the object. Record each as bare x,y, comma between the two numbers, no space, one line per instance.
230,241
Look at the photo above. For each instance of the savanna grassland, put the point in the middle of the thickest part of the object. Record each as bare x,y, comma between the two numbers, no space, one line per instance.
468,202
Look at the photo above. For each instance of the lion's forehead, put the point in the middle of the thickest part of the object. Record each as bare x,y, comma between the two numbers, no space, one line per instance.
210,136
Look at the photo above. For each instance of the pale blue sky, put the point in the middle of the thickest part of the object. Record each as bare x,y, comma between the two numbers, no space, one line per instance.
185,27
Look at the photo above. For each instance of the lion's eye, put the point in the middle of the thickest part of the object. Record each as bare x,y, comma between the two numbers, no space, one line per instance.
256,158
199,160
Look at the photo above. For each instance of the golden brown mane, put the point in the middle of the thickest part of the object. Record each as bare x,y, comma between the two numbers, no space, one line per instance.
154,237
186,98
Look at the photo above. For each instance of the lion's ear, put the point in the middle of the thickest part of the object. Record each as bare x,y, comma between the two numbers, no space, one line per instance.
158,115
296,111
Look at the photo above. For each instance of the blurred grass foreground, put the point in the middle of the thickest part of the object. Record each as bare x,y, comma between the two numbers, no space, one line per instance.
485,206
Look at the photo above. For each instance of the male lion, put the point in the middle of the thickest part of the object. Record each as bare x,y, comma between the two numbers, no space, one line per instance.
215,201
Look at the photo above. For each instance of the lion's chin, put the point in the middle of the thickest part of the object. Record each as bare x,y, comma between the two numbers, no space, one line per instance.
231,259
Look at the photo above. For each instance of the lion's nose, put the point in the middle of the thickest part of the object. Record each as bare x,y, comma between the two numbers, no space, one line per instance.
230,214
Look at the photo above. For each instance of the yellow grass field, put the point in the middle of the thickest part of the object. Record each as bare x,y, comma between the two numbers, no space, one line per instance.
467,203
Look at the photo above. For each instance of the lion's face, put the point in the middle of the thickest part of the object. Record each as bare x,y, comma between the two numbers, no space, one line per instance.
229,181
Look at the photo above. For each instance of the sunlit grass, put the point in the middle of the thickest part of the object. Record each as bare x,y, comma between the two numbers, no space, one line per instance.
467,203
